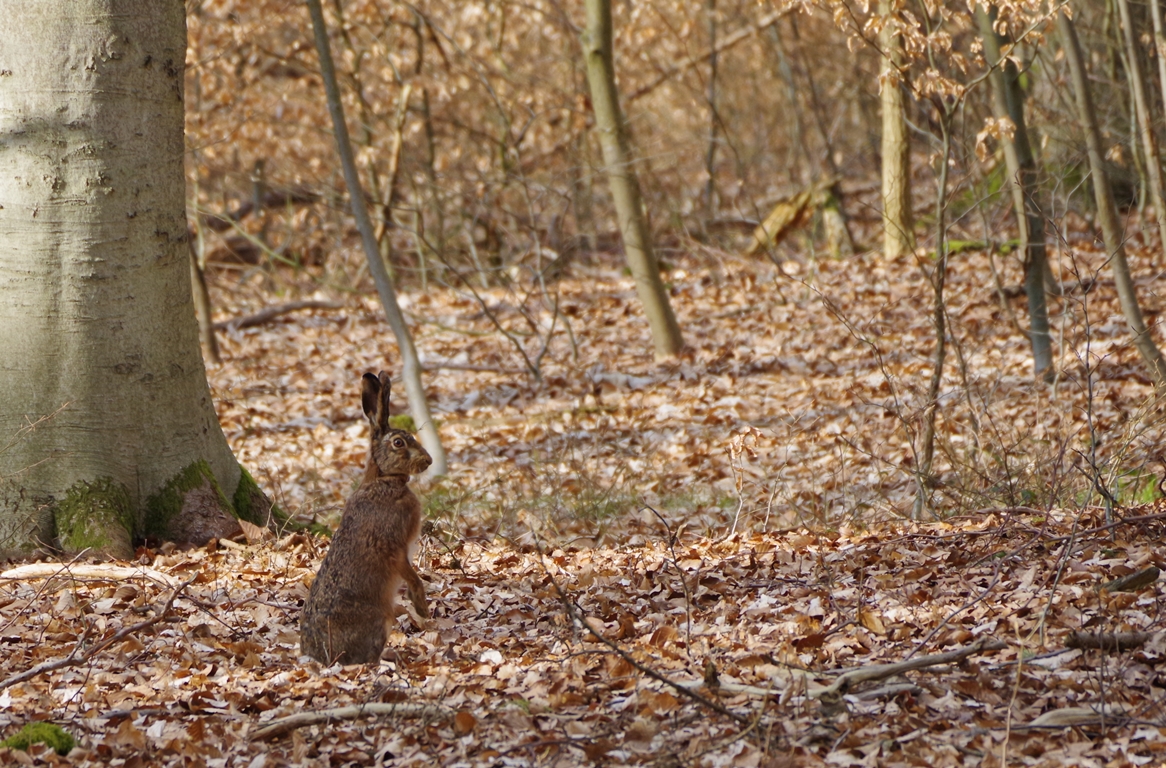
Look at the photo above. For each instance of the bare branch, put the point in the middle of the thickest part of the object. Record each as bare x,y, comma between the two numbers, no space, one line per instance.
286,725
74,659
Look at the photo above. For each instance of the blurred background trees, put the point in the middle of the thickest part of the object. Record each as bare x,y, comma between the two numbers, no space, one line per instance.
793,130
487,167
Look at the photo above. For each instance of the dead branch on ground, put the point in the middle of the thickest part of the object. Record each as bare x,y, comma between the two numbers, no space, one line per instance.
286,725
86,572
1134,581
852,677
270,313
76,659
575,612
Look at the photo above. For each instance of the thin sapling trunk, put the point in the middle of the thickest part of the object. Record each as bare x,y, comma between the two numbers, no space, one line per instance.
410,364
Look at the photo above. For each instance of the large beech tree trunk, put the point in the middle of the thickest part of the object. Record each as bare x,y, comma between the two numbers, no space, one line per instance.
1007,101
898,227
625,189
1106,210
107,430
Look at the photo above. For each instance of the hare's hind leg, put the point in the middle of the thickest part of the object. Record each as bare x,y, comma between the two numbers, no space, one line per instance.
389,606
416,589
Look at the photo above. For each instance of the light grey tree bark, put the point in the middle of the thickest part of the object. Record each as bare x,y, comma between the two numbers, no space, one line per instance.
1106,210
1008,101
107,430
898,227
410,363
625,189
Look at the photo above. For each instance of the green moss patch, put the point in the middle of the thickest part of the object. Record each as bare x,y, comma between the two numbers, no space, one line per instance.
97,516
54,736
403,421
251,504
163,509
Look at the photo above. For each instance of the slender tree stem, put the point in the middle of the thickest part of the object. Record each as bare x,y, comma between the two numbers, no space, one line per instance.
410,364
1145,123
625,189
938,282
1007,103
1106,210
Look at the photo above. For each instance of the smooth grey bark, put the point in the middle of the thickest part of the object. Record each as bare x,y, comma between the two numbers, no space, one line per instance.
1145,122
1106,210
625,189
1008,101
104,392
410,363
898,227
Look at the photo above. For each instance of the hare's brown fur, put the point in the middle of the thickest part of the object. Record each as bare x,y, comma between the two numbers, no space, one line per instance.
355,593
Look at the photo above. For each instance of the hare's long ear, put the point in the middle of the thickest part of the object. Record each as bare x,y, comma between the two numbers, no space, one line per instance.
370,400
383,414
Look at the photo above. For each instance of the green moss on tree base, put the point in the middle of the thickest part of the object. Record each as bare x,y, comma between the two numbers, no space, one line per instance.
190,508
253,505
97,516
319,529
166,505
54,736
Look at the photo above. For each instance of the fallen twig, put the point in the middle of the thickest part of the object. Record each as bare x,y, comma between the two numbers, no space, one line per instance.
285,725
1109,526
86,572
574,611
576,614
977,599
448,365
866,674
1073,716
75,659
270,313
888,691
1134,581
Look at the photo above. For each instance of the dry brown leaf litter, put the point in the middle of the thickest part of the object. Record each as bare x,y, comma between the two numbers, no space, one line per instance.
526,686
779,419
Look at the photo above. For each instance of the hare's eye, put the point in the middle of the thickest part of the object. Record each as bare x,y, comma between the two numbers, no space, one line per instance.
398,442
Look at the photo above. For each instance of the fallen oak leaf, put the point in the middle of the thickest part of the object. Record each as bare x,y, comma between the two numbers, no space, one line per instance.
256,534
464,722
871,620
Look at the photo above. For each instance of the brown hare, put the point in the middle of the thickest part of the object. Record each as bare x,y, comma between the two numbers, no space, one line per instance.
355,593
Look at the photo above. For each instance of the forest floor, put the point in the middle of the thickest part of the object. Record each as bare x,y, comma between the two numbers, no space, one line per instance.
668,564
